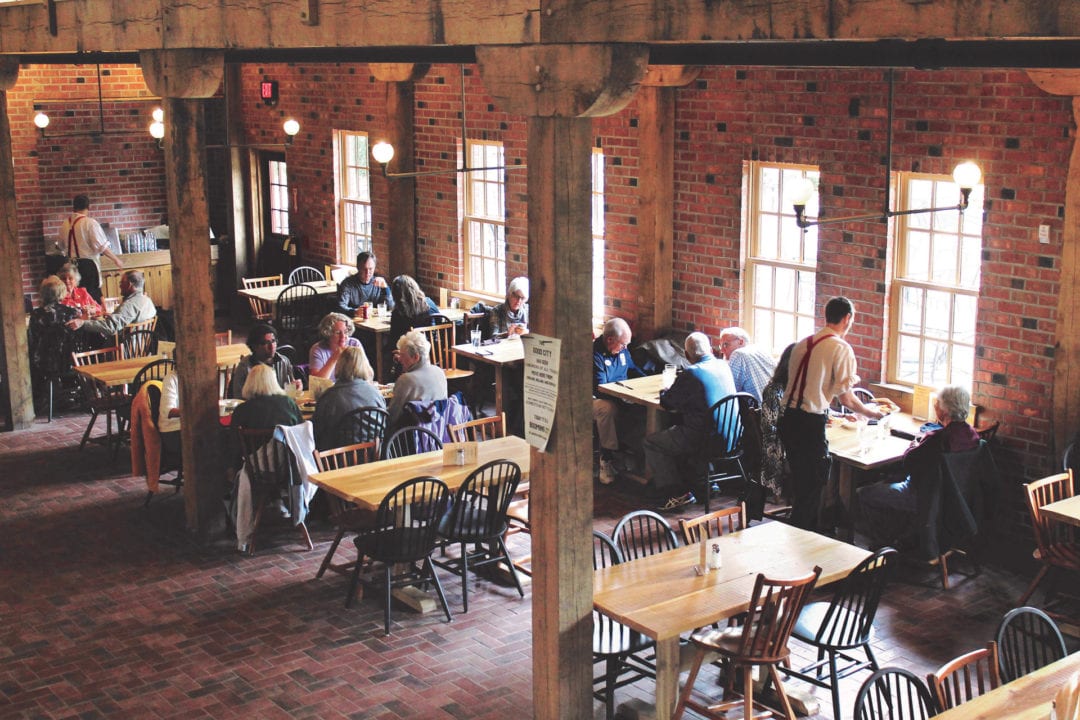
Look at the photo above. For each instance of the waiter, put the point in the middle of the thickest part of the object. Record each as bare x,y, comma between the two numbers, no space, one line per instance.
82,238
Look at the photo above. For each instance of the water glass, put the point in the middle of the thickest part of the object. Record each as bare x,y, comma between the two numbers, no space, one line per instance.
381,310
668,378
475,336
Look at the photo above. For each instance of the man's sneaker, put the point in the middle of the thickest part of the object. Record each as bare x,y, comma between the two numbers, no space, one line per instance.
607,472
674,503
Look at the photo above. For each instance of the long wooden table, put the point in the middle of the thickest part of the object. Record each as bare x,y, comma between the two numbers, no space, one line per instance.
269,293
1027,698
662,596
502,355
122,372
644,391
366,485
1066,511
378,327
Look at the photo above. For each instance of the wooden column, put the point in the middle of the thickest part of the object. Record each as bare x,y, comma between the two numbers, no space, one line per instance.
239,184
1066,391
558,88
178,75
16,359
400,79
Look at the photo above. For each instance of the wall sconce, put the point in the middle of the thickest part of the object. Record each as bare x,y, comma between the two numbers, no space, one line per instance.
41,121
291,128
157,127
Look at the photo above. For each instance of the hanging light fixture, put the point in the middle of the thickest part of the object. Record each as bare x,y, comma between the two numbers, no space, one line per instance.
383,152
966,175
41,121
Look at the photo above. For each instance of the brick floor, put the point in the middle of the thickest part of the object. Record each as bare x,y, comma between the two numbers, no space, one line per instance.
110,610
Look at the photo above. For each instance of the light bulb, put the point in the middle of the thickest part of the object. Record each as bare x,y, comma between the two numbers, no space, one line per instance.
157,129
967,175
291,127
41,120
383,152
803,191
158,114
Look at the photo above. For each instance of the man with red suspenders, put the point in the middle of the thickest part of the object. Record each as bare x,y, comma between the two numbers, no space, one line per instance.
82,238
822,367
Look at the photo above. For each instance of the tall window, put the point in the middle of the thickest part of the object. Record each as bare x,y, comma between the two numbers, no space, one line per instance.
353,189
598,235
781,261
936,284
278,205
484,226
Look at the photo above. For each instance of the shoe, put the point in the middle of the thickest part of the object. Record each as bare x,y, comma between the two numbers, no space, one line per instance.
607,472
283,509
674,503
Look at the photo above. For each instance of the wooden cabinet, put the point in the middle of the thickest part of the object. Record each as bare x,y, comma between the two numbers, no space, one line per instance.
157,269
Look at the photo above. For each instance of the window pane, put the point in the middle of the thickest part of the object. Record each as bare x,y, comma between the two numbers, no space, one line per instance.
945,247
769,191
763,285
917,256
784,299
935,363
938,314
767,237
970,263
908,352
911,311
964,319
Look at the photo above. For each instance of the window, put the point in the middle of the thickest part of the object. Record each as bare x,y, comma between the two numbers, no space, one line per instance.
353,188
598,235
781,261
278,205
484,226
936,284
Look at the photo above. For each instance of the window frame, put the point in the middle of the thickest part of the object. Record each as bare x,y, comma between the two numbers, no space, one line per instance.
599,247
476,206
351,239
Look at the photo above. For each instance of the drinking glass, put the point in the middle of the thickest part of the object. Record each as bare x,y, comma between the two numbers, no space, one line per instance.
475,336
668,377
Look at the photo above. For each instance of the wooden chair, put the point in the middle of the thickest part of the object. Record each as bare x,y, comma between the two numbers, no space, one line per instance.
306,274
966,677
487,428
724,455
137,343
364,424
410,440
762,640
894,694
1027,640
222,339
266,463
441,337
642,533
969,487
1055,542
261,309
170,462
989,433
225,376
712,524
101,399
345,516
297,312
108,304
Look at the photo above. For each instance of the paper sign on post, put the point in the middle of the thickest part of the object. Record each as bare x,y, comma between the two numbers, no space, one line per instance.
541,387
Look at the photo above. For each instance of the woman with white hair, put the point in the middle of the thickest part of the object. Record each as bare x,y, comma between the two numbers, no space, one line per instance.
78,297
336,331
419,379
511,317
265,404
353,389
888,510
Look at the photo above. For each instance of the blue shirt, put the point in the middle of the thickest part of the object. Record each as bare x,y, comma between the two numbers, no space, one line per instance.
696,390
611,368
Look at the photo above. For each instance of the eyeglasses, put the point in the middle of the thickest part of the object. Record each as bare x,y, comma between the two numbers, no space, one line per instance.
272,341
342,333
519,296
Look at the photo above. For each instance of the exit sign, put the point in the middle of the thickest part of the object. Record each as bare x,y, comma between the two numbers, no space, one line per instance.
268,92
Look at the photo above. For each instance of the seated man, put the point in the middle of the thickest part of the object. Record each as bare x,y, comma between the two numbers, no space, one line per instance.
136,307
363,287
611,363
751,367
262,341
888,510
671,453
419,379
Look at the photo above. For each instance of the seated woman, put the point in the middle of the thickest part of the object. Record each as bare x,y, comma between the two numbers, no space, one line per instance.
78,297
511,317
888,510
353,389
411,309
50,342
419,379
265,404
336,332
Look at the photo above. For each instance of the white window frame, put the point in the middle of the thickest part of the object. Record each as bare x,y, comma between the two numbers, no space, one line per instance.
780,261
941,290
352,194
277,180
483,226
598,235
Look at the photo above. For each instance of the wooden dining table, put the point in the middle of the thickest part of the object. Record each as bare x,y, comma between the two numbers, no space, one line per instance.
1066,511
663,596
1029,697
377,327
643,391
502,355
270,293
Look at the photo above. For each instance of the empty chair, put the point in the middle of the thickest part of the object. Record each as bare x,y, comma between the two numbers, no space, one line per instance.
410,441
724,454
643,533
266,465
297,313
621,649
761,640
477,517
362,425
261,309
306,274
345,516
714,524
1027,640
487,428
1055,543
441,337
137,343
222,339
966,677
404,534
844,624
893,694
101,399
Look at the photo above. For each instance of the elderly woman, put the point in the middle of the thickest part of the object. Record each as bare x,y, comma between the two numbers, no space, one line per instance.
49,341
336,332
511,317
419,379
353,389
888,510
265,404
78,297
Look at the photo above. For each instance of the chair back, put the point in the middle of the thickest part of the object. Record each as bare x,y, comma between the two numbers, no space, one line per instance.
264,459
955,499
1049,535
364,424
727,426
407,521
487,428
297,313
480,504
1027,640
643,533
410,440
441,337
713,524
261,309
306,274
893,693
156,370
989,433
850,617
222,339
774,608
1067,458
95,357
966,677
346,456
137,343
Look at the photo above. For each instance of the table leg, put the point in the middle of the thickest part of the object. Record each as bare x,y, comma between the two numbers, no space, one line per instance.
845,486
499,371
380,376
667,677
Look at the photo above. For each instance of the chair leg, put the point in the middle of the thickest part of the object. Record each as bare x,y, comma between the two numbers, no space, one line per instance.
789,714
748,692
688,688
834,685
1034,584
389,597
464,578
611,672
943,561
510,565
52,383
149,497
307,536
438,588
89,427
354,581
330,554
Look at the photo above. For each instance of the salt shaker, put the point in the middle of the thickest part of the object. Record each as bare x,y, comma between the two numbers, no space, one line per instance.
460,457
715,562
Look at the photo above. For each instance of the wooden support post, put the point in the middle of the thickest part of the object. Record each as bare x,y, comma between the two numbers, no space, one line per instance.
558,88
177,76
16,360
243,255
656,120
